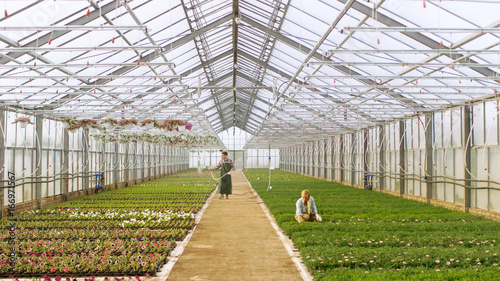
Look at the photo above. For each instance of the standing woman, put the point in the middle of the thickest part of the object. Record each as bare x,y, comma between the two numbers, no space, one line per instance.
226,166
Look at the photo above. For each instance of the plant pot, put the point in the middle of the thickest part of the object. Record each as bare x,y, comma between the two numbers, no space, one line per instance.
65,125
149,126
128,127
23,125
182,128
108,126
92,130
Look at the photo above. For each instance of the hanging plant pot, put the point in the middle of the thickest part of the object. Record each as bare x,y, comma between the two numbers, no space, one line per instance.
108,126
128,126
182,128
92,130
65,125
149,126
23,125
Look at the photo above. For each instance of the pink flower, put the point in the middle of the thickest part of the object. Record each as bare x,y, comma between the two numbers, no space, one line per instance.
447,263
437,261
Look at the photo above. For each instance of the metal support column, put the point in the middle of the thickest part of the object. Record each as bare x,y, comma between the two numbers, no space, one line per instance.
143,164
168,159
382,164
116,164
312,160
341,157
2,161
332,159
134,161
468,143
126,177
353,159
38,157
365,150
429,165
402,157
150,169
281,156
65,165
86,159
325,158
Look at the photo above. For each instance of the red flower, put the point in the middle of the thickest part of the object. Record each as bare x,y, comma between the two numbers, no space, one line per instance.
104,261
60,251
98,266
53,269
66,269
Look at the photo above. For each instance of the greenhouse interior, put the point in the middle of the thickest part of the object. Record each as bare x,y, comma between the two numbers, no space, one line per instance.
250,140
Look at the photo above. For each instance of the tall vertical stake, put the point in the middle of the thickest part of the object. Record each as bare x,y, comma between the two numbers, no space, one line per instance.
468,142
402,156
429,155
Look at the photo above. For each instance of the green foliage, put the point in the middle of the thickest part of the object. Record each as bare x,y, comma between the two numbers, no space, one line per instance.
369,235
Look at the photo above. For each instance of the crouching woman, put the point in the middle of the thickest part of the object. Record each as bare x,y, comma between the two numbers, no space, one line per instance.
306,208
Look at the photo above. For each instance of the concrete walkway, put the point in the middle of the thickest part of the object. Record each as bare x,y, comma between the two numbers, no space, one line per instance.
235,241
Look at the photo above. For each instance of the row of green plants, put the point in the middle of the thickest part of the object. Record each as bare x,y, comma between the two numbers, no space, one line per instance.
131,231
370,235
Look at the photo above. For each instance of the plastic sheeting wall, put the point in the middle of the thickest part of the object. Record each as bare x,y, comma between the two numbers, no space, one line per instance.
379,150
119,162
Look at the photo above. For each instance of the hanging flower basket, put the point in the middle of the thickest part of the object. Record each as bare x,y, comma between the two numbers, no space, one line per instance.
127,124
109,123
149,124
73,128
67,122
23,122
84,123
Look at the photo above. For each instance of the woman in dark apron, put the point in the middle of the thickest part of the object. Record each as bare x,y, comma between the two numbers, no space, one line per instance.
226,166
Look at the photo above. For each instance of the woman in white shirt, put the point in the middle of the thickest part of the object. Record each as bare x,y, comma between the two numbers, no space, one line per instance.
306,208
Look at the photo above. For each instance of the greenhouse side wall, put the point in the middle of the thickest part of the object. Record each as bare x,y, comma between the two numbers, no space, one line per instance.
52,165
448,158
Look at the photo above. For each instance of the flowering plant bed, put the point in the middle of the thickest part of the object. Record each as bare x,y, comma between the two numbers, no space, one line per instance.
128,231
370,235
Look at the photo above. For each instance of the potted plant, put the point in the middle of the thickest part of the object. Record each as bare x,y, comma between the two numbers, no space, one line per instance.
23,121
181,126
73,127
83,123
67,122
109,123
94,127
149,123
127,124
